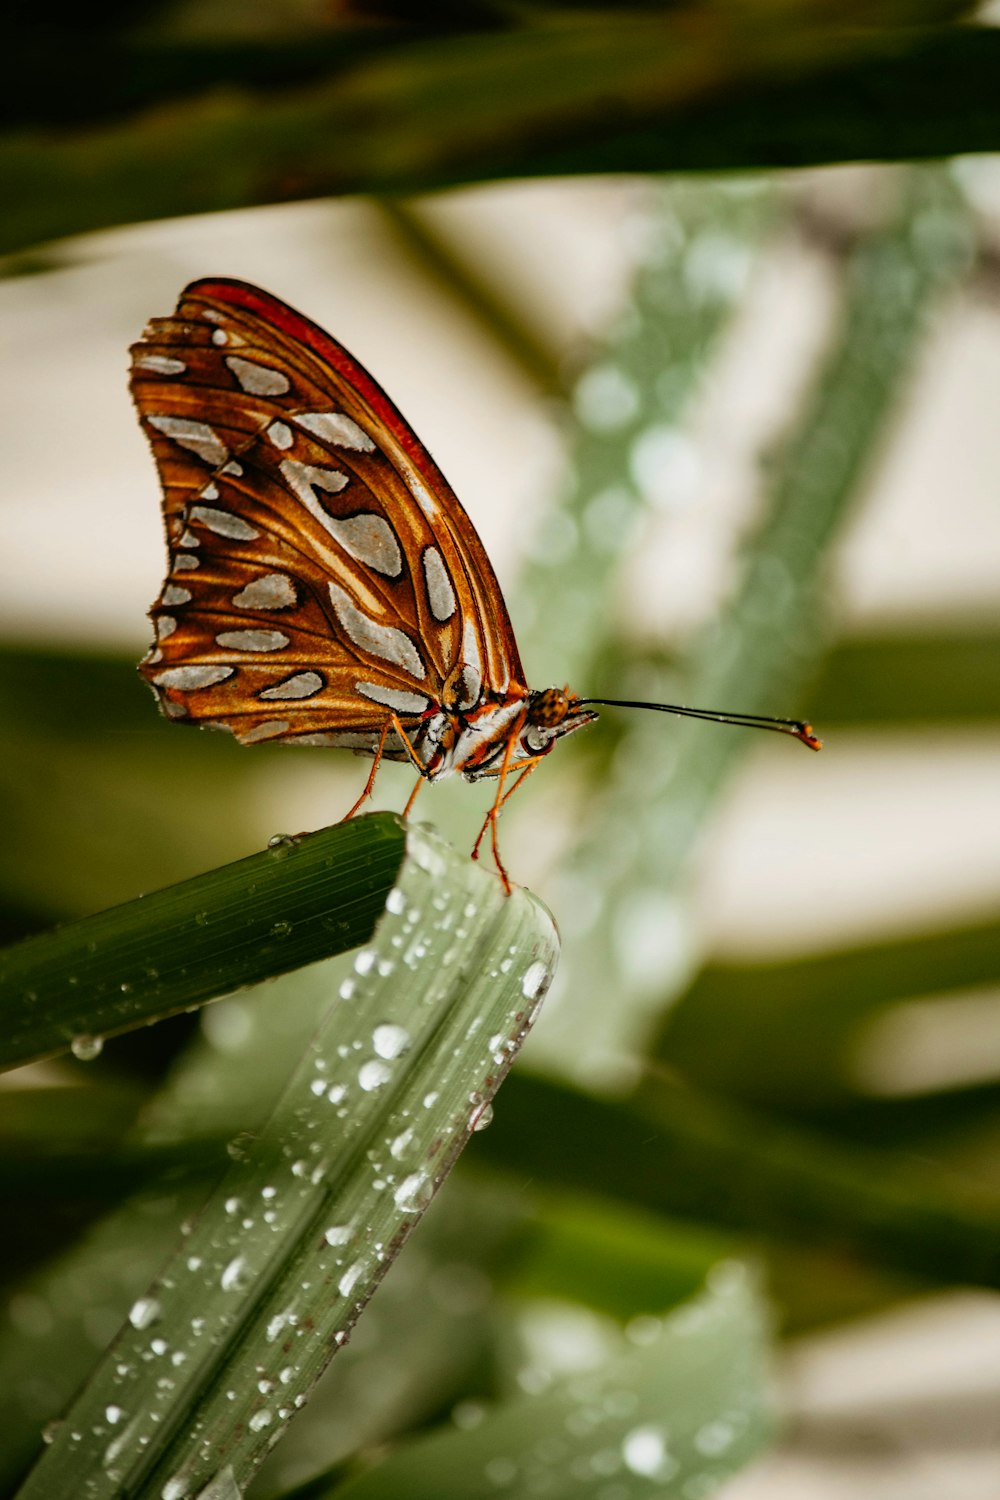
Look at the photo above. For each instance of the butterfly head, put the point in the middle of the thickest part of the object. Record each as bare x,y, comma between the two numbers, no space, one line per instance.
553,712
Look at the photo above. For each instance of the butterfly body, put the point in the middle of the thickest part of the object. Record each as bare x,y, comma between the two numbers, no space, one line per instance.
325,585
476,743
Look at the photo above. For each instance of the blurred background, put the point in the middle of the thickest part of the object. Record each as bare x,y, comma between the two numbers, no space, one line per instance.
730,440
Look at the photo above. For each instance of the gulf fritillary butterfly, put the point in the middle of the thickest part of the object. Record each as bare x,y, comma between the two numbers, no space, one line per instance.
326,586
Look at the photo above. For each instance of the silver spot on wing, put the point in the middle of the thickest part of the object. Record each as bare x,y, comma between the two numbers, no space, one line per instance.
197,437
385,641
440,594
305,479
252,640
160,364
403,703
469,686
300,685
336,427
369,539
257,380
264,731
191,677
273,591
223,523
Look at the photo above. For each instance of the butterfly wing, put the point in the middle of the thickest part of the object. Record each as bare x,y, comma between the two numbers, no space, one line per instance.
322,571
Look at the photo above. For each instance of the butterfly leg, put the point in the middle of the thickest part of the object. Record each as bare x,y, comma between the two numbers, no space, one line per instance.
371,775
394,722
413,795
502,802
494,813
521,776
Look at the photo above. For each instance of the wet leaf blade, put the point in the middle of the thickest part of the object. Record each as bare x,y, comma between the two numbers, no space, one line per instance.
269,1281
687,1408
273,912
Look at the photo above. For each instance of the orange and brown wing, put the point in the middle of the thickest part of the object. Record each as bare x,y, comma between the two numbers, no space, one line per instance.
322,572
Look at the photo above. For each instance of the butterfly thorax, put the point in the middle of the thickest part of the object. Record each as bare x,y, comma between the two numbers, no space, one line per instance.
474,742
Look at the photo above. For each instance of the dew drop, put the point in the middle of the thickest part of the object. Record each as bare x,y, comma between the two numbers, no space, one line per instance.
390,1041
239,1147
145,1312
276,1326
260,1420
52,1429
395,902
534,977
281,929
373,1075
113,1414
339,1234
350,1279
364,961
221,1486
281,841
414,1193
233,1277
86,1047
482,1118
402,1143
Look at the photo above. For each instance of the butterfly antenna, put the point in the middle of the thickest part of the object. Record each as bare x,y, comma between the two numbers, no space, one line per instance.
799,729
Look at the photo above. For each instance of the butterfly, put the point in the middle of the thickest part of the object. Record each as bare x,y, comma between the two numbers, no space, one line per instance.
325,585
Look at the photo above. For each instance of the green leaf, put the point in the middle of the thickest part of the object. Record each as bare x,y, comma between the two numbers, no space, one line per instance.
301,900
683,1153
806,1015
267,1283
675,1414
700,87
616,1259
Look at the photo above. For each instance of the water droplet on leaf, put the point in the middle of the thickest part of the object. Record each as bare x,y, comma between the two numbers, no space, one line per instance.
86,1047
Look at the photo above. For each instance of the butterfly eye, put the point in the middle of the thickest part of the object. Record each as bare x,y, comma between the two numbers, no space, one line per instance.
548,708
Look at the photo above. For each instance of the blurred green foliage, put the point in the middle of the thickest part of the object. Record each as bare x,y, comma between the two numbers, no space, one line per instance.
219,120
